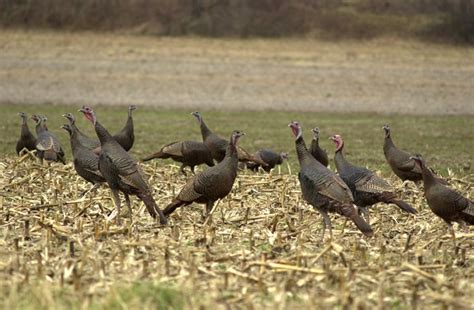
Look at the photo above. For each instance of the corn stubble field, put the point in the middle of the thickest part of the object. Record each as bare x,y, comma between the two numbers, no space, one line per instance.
261,247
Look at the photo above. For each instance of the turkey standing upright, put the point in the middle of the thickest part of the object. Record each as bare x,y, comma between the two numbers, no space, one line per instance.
47,144
400,162
211,184
367,188
126,136
323,189
318,153
27,139
83,139
445,202
218,146
121,171
86,162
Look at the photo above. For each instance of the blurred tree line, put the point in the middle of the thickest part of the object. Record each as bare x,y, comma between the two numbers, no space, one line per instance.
447,20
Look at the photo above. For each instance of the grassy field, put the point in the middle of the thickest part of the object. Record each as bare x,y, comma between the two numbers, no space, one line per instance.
262,246
445,141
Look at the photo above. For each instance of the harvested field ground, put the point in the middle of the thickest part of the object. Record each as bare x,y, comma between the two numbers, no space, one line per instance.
384,75
261,248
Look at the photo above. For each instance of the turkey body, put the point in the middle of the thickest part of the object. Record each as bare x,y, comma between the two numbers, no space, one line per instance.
47,143
445,202
367,188
270,157
27,140
189,153
211,184
323,189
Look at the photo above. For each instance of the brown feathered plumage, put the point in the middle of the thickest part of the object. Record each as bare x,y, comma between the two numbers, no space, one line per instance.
47,143
318,153
189,153
211,184
366,187
323,189
126,136
218,146
445,202
27,139
121,171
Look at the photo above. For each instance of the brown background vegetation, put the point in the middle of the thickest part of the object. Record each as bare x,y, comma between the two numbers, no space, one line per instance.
445,20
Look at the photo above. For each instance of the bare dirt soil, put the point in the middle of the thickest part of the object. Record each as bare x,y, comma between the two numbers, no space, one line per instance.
383,76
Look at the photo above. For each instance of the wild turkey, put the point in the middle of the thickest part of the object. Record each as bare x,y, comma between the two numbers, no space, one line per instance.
323,189
47,143
270,157
189,153
400,162
218,146
367,188
445,202
27,139
126,137
83,139
86,162
316,150
211,184
121,171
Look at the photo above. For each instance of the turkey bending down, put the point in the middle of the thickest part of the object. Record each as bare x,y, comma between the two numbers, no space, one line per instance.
189,153
47,144
323,189
211,184
121,171
367,188
27,139
445,202
81,138
126,136
86,162
218,146
270,157
316,150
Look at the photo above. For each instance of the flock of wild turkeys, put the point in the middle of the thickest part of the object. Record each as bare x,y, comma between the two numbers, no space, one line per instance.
349,193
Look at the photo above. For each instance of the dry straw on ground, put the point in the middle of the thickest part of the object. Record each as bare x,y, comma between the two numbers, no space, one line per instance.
261,247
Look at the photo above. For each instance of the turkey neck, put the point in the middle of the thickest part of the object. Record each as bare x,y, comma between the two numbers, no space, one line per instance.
428,177
231,157
316,141
129,124
388,143
25,131
75,144
304,156
341,162
102,133
40,128
205,131
75,130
